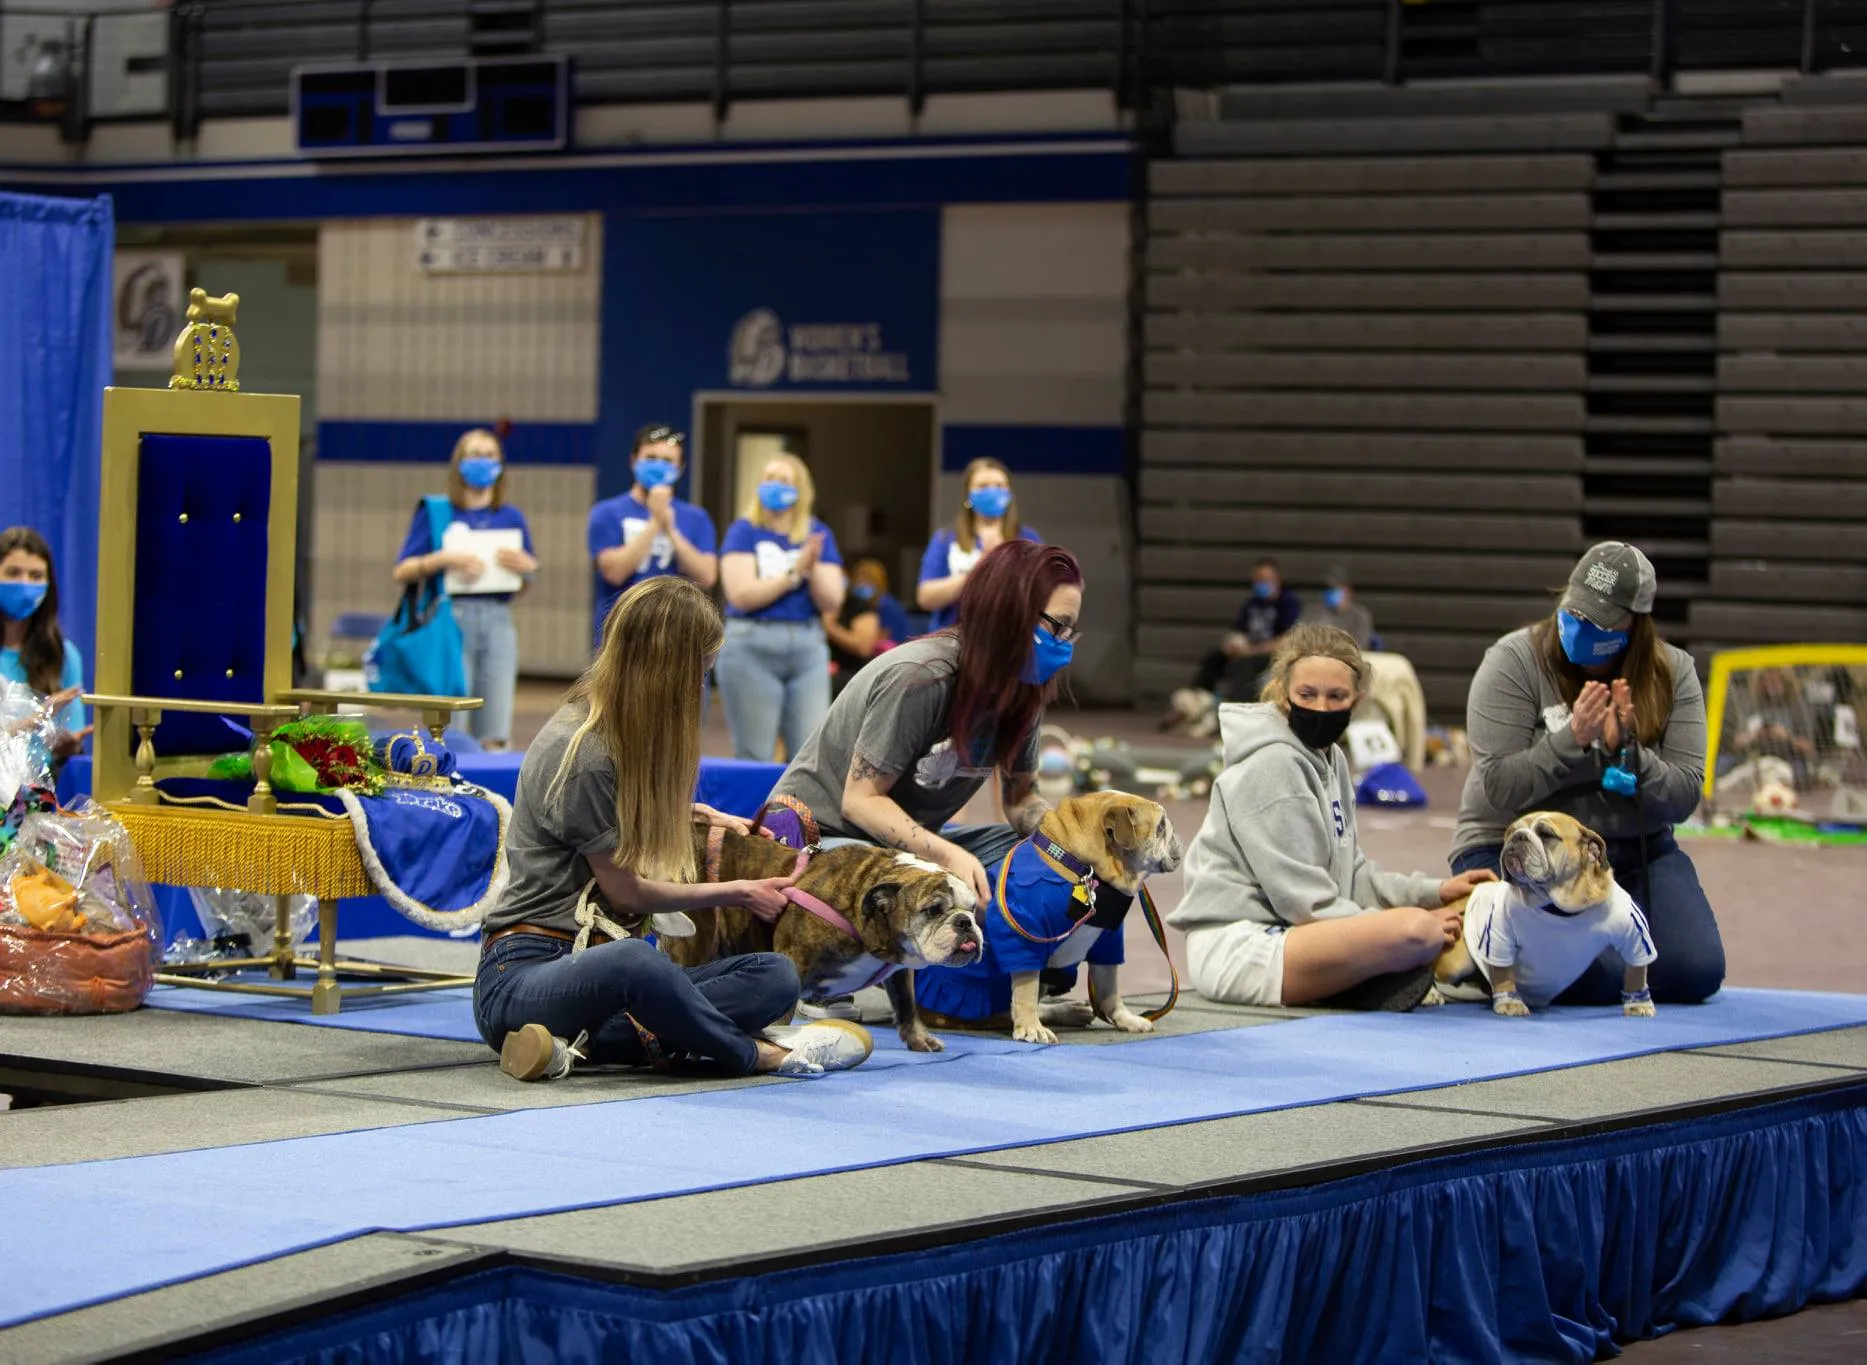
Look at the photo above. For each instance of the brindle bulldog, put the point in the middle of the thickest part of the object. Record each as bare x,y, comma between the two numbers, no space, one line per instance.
906,913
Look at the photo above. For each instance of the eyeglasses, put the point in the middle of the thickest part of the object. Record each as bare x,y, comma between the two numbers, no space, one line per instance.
1064,631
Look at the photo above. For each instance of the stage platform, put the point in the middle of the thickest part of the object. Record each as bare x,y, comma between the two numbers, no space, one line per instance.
403,1180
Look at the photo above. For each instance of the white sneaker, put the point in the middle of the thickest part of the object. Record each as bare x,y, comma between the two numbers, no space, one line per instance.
532,1053
831,1045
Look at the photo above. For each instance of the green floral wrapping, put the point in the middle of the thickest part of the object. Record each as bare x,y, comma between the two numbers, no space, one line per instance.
317,754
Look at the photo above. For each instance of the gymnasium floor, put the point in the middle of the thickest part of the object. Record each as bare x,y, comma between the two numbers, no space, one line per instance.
1791,919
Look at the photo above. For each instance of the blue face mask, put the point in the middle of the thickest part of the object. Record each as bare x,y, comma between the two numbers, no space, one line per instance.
1263,591
20,600
862,592
480,471
1049,657
1586,643
1333,599
990,503
776,497
653,472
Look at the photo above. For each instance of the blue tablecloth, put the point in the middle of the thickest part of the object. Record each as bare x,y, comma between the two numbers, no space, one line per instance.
727,784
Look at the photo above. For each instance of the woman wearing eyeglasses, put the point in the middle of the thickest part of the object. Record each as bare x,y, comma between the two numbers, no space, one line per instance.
919,730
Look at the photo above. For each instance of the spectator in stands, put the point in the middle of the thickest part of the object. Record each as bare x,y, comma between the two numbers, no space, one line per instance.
782,573
476,491
1549,711
33,650
857,632
1281,905
1339,608
1235,670
648,532
988,518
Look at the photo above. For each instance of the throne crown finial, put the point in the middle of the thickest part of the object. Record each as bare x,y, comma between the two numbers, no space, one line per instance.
207,354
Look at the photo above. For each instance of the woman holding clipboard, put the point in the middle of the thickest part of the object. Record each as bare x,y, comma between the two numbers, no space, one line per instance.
486,553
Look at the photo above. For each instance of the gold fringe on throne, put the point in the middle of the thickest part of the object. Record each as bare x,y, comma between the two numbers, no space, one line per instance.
276,855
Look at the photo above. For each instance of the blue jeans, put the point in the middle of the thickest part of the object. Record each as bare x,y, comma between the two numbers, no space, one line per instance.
1685,932
490,650
618,991
774,679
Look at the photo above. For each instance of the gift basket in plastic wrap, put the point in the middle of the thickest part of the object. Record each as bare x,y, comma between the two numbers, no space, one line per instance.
79,932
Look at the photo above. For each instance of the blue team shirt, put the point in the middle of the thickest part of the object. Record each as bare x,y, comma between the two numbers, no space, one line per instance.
616,521
944,558
72,675
420,539
776,556
1263,619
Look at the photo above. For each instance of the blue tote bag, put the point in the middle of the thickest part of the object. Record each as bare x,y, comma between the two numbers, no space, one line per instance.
418,650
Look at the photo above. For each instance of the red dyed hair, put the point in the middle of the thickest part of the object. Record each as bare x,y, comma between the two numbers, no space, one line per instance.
999,607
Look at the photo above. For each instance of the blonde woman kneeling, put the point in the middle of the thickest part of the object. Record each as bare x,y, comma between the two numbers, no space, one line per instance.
1281,906
602,830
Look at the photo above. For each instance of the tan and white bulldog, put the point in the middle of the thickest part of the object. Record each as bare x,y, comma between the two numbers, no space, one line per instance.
1109,836
1530,936
906,912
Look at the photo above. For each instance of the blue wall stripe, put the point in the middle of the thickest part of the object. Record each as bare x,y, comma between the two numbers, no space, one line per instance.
878,182
1036,449
433,442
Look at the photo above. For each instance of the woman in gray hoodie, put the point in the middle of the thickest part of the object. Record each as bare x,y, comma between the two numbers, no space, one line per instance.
1281,906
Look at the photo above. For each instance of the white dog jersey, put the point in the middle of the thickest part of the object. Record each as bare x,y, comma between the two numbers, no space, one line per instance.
1548,950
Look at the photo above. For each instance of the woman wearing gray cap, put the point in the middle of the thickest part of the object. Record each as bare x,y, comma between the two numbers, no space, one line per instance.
1553,709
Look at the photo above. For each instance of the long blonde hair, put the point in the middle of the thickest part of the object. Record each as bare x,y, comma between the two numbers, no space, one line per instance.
800,515
1311,641
966,524
643,695
457,489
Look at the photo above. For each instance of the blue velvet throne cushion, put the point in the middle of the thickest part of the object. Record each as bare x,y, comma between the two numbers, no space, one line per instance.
202,507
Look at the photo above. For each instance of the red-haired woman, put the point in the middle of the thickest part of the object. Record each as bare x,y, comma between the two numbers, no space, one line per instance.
919,730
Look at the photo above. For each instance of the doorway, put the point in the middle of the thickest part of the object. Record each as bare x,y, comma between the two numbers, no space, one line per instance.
873,462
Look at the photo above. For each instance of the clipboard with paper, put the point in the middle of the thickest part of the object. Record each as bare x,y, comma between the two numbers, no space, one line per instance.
485,545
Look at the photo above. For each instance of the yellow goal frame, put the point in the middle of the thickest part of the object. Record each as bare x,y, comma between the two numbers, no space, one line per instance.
1728,661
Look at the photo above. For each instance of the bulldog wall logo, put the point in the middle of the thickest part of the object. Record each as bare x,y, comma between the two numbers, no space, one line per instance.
763,351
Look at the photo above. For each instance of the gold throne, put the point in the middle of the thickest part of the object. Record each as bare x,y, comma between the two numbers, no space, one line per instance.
197,529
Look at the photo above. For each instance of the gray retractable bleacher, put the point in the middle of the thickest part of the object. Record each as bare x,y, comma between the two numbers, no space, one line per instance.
1366,344
1789,503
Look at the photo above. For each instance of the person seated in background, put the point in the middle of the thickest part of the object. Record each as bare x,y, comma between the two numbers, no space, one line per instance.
857,631
1233,670
1339,608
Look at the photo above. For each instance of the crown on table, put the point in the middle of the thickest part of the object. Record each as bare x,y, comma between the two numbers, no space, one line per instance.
408,762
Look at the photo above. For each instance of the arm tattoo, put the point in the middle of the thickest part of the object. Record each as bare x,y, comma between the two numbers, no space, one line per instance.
861,770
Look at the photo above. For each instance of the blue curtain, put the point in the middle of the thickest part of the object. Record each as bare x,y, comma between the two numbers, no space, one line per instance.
55,358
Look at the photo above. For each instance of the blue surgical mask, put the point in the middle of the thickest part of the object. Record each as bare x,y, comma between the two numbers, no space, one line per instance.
990,503
1586,643
1333,599
862,592
653,472
1049,657
480,471
20,600
774,496
1263,591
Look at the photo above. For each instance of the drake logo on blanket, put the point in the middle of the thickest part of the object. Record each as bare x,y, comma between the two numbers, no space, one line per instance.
762,351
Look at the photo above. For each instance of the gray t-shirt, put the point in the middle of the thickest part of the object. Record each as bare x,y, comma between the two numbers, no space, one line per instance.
551,840
1525,758
894,713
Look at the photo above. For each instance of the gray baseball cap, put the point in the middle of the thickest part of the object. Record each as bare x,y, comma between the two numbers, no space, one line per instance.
1608,582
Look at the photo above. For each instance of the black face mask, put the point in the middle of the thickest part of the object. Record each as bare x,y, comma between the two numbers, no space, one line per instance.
1317,729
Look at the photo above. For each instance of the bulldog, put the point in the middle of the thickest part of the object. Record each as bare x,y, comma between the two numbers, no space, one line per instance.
1529,936
905,912
1044,914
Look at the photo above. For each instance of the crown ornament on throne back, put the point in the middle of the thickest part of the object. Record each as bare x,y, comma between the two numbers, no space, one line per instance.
207,354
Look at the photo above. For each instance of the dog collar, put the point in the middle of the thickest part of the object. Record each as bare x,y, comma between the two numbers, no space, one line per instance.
1550,908
1062,859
